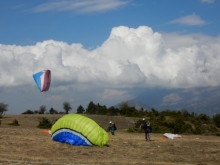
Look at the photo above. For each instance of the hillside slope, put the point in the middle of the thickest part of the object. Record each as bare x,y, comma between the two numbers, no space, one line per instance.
31,121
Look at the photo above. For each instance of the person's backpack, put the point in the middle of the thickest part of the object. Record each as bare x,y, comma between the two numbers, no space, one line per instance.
144,125
148,129
114,126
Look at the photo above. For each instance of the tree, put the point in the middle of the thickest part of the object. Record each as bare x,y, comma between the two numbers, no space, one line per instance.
216,120
142,111
80,109
42,109
123,105
155,112
66,107
36,112
127,110
3,108
53,111
205,118
91,109
112,111
101,110
185,113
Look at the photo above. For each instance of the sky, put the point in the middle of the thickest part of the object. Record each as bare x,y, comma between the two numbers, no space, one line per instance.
105,51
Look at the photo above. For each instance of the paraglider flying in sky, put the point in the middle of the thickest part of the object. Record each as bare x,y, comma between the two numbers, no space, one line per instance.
42,80
78,130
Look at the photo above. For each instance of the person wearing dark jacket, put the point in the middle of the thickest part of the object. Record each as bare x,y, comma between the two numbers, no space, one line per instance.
147,129
112,127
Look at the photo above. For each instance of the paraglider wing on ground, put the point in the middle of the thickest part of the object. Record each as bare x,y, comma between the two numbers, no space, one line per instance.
172,136
78,130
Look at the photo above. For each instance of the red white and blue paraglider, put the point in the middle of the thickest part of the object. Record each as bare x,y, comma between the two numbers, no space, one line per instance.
42,80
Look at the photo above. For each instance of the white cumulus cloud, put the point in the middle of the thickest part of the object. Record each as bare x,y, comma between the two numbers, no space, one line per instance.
129,61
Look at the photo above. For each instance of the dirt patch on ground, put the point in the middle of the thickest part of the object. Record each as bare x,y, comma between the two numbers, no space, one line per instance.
26,144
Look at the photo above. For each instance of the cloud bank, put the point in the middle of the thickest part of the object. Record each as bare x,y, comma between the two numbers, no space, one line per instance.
129,61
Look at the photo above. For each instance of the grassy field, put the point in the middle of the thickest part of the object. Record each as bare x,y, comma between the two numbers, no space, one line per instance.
26,144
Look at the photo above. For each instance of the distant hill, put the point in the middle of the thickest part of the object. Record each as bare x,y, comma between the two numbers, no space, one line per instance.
199,100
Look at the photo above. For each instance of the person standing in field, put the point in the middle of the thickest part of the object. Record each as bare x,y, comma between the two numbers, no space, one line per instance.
112,127
147,129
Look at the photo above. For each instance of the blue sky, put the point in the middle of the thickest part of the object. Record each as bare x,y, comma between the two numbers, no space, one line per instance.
26,22
105,51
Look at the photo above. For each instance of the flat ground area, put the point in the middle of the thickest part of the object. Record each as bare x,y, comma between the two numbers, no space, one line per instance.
26,145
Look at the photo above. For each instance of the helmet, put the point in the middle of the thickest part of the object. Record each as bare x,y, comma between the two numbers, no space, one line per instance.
143,119
110,122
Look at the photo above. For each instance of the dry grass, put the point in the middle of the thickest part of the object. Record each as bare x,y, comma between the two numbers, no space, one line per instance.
26,144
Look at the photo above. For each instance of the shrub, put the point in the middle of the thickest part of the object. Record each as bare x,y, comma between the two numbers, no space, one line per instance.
159,129
216,120
217,133
181,122
133,130
186,128
178,124
197,130
138,123
28,112
14,123
44,123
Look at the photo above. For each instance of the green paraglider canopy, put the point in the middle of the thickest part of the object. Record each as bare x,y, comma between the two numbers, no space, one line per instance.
79,130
